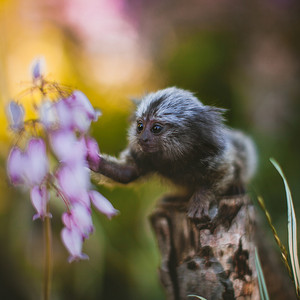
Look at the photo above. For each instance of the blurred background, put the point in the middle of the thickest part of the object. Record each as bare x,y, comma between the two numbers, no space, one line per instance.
240,55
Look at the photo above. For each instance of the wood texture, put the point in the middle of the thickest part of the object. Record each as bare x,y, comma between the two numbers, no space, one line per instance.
215,259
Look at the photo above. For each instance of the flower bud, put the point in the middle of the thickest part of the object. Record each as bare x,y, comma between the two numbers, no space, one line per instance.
15,113
37,68
102,204
72,240
93,153
39,198
15,166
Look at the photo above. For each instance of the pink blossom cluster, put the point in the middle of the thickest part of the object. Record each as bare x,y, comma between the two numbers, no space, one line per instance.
65,124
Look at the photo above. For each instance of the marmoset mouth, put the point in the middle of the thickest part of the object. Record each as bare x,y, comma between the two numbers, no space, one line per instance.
147,148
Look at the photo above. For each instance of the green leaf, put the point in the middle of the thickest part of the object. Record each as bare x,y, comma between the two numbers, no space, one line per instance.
261,279
292,228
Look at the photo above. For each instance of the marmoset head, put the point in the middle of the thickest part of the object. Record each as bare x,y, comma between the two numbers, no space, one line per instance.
173,123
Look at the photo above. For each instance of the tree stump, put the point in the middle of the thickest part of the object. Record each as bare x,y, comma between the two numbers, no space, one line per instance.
215,259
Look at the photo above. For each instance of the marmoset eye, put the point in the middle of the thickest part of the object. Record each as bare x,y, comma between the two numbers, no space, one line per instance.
140,127
156,128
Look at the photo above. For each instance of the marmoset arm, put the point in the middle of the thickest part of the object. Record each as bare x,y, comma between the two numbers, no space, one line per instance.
123,170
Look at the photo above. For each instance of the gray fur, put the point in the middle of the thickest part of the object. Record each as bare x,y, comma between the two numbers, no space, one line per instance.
194,149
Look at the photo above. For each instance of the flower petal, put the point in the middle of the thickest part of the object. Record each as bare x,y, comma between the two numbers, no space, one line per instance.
15,113
67,147
38,68
72,240
80,99
93,153
76,112
82,219
64,113
36,162
80,121
48,114
102,204
39,198
74,181
67,220
15,166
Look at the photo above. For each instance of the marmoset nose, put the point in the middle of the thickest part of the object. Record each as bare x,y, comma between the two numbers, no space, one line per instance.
145,137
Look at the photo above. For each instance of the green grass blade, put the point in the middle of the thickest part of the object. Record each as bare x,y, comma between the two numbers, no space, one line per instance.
284,253
292,229
261,279
198,297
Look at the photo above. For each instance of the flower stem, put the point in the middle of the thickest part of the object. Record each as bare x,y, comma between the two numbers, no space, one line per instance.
47,257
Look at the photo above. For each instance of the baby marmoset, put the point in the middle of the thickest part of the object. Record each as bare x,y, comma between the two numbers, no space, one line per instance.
181,139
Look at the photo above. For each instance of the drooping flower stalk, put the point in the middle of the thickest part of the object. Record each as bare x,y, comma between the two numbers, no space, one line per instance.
60,132
47,255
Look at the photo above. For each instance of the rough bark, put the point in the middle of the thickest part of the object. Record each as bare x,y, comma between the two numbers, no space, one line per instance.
214,260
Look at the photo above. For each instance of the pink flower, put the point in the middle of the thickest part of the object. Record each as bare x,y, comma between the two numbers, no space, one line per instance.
67,147
48,114
76,112
71,116
83,219
74,181
65,123
29,167
37,68
15,113
15,166
39,198
73,240
79,216
35,162
102,204
93,153
81,121
79,100
64,114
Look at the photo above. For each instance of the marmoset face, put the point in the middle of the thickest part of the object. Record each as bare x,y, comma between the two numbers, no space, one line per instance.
175,124
148,134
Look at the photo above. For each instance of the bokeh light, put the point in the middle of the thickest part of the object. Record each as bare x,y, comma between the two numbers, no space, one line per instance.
243,56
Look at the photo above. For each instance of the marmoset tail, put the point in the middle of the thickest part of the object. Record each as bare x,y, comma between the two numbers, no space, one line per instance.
179,138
